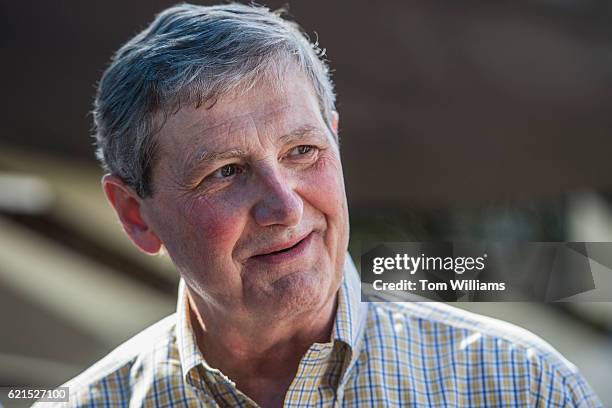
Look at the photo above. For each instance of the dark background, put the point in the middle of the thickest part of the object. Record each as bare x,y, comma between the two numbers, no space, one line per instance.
459,120
441,102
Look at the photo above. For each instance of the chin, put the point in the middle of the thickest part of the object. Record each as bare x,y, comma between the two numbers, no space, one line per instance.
298,293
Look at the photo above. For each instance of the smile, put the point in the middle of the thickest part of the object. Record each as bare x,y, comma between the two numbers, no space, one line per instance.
286,254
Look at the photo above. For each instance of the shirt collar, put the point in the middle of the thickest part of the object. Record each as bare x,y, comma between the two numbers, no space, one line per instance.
351,313
189,353
349,324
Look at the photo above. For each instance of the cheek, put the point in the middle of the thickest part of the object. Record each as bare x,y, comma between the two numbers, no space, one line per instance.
326,188
327,195
201,232
216,222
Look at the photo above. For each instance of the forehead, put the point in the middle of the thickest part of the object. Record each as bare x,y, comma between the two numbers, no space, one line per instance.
267,108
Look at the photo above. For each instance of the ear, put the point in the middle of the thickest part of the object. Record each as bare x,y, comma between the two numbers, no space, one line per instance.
127,205
334,124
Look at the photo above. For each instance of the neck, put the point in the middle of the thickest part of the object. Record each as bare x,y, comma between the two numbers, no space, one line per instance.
261,359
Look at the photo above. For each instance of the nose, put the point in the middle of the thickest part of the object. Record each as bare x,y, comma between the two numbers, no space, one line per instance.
278,204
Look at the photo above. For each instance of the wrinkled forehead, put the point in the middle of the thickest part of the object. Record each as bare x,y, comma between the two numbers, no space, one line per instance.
271,106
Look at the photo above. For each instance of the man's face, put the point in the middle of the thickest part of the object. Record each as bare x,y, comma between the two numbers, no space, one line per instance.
249,202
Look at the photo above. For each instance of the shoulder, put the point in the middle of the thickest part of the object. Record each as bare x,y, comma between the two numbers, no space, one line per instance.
117,376
466,330
474,352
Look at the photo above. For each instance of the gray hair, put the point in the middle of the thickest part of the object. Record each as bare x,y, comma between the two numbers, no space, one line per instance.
192,55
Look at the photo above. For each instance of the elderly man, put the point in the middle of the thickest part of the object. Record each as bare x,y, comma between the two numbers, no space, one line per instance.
218,130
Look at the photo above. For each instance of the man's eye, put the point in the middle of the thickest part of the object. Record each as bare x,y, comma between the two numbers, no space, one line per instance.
227,171
301,150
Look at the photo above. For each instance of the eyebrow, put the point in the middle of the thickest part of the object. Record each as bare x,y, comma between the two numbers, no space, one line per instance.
300,132
205,158
210,157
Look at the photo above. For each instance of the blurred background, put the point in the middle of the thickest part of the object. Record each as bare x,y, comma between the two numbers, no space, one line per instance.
460,120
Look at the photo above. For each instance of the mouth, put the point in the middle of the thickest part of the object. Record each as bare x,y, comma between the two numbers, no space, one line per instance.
286,251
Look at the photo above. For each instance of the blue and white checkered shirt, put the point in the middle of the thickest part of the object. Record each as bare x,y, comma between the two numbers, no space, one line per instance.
381,354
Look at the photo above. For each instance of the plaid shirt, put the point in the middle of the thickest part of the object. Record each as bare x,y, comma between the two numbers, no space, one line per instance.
382,354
